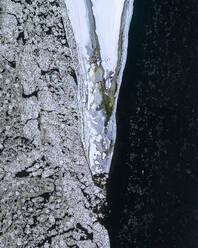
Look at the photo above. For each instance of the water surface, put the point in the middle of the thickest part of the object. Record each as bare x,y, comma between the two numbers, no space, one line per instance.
153,188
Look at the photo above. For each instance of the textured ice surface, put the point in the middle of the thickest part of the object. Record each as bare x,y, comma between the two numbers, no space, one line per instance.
47,195
101,33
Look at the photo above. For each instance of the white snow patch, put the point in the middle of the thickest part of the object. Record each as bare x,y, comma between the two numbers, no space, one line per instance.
107,15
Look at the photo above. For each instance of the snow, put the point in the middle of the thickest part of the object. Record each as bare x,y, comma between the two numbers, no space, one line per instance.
107,15
78,15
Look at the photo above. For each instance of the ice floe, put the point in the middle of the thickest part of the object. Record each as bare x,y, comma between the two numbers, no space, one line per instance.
100,29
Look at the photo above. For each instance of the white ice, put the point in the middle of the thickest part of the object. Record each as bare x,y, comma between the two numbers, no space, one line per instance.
107,15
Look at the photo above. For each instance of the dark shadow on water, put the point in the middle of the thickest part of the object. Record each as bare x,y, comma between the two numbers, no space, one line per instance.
153,185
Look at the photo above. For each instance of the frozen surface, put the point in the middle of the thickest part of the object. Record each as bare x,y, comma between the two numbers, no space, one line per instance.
108,19
101,33
78,13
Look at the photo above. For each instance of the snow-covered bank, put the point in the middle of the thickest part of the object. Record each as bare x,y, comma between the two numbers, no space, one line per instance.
101,33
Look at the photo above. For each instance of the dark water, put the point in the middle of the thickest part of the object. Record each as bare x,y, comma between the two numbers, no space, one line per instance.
153,188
